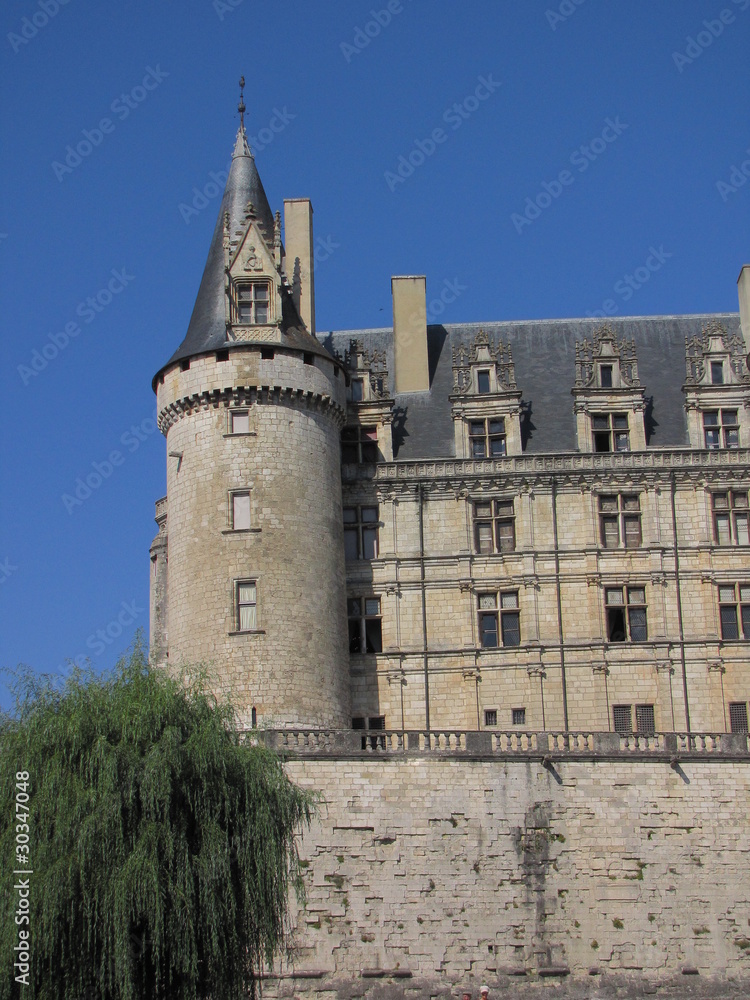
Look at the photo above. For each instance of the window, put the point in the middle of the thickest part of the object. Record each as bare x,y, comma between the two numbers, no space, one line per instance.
247,605
622,717
490,717
358,390
359,444
506,617
487,438
494,526
717,373
731,518
240,511
365,634
620,521
610,431
738,716
361,532
252,303
626,614
239,422
734,597
721,429
483,382
518,716
605,376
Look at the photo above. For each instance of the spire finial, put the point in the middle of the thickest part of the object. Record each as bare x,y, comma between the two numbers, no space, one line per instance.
241,105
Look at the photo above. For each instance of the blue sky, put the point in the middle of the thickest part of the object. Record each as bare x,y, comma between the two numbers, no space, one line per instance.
537,159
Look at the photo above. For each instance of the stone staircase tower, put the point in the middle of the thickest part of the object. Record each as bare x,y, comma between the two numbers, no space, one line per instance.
248,566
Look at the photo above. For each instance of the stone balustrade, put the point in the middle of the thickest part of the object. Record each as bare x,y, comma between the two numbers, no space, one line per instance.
545,746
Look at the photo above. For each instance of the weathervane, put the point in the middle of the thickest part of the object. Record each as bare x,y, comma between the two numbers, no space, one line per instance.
241,105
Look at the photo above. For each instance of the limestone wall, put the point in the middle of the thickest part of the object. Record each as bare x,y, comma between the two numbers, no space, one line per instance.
456,871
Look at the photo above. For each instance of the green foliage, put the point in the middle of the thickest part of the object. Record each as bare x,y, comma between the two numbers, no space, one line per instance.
162,844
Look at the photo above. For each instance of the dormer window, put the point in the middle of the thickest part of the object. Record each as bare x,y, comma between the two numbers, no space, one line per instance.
605,376
721,429
717,373
487,438
610,432
358,390
252,303
483,381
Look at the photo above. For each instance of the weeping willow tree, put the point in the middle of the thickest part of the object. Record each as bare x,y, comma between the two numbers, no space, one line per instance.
162,845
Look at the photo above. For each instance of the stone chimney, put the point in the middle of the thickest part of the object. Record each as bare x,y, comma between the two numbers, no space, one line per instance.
743,291
300,260
410,333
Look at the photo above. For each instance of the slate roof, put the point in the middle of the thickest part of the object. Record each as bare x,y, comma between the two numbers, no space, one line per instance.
544,358
207,329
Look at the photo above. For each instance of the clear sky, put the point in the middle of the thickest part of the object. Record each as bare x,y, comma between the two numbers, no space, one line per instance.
534,159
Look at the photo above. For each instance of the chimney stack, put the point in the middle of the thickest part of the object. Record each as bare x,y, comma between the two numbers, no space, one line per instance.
743,292
412,372
300,258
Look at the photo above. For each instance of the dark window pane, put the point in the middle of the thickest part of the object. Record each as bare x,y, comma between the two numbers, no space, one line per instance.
632,532
369,543
353,606
355,643
483,381
488,630
615,625
373,636
732,438
369,452
506,537
621,442
601,441
606,376
484,537
600,422
477,448
511,629
349,453
358,723
261,312
497,447
497,426
644,718
712,439
620,421
622,718
490,717
637,624
350,543
745,615
519,716
738,717
358,390
610,533
717,372
728,616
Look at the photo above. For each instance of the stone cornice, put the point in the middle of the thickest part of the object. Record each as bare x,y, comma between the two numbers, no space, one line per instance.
250,395
577,471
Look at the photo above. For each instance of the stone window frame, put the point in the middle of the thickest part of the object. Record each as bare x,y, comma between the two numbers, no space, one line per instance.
727,517
236,412
738,722
496,519
490,718
364,615
361,528
622,617
501,607
726,429
612,431
231,513
360,440
242,287
237,605
481,430
645,719
518,716
734,611
622,516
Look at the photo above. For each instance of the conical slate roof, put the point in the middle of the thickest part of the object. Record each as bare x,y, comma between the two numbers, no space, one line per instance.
207,329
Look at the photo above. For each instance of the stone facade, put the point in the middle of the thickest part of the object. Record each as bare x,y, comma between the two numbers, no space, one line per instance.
482,586
442,868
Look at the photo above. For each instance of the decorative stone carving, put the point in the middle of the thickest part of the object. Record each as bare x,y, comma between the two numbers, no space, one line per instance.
482,352
605,346
714,340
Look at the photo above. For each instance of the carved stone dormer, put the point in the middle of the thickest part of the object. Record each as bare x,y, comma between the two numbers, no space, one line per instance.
369,409
608,399
717,389
486,402
253,282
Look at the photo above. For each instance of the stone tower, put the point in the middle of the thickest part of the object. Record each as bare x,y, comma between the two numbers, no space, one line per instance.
248,566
